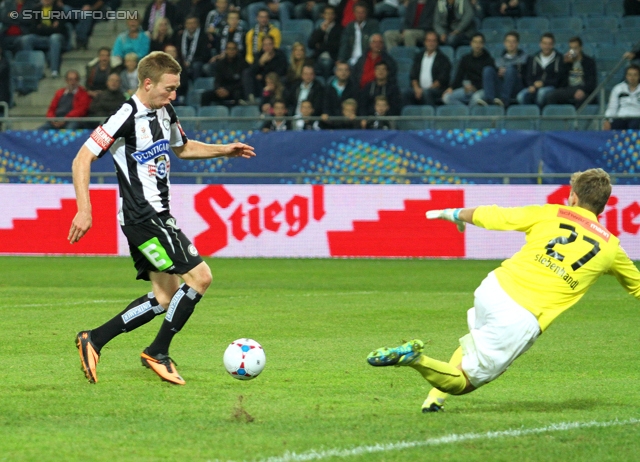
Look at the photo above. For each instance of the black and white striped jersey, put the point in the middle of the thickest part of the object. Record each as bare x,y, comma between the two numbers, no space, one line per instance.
139,139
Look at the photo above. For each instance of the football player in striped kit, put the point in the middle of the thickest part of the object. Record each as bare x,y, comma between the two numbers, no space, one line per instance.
140,136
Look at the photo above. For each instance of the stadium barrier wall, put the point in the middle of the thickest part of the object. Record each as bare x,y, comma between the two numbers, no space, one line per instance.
298,220
384,156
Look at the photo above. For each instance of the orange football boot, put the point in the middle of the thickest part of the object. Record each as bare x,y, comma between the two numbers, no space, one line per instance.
89,356
162,365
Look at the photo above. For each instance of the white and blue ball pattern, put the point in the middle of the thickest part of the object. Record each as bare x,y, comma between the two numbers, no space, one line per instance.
244,359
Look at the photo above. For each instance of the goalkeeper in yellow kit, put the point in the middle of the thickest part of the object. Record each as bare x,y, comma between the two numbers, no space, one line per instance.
566,251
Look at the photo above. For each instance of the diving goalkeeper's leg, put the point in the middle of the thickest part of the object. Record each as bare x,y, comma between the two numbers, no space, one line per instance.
436,398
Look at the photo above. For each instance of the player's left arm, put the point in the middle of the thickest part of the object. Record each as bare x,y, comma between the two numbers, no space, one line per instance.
193,149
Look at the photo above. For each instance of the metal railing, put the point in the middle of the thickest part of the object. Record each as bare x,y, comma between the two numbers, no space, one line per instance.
302,178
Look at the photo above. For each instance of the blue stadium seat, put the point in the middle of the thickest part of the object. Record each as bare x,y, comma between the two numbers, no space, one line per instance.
610,51
602,22
204,83
589,124
535,23
194,97
416,111
598,35
607,64
35,57
495,49
402,52
587,7
553,8
530,36
24,77
573,22
614,8
615,80
498,22
563,35
213,111
493,35
626,34
390,24
245,111
449,52
567,110
531,111
455,110
630,22
186,111
303,26
291,37
494,110
461,51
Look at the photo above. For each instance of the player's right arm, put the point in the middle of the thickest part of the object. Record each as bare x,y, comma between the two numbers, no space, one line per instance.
81,169
626,272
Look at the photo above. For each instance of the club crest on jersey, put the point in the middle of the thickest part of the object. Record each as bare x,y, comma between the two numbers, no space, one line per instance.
166,123
160,167
157,149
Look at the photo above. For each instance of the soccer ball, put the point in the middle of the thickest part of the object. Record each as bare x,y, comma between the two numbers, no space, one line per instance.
244,359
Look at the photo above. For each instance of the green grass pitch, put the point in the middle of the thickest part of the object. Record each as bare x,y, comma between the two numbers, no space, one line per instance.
317,398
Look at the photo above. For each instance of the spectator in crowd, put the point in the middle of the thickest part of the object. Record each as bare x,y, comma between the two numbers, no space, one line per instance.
429,73
134,40
364,69
47,33
623,111
231,31
388,9
107,102
217,18
194,47
356,35
454,22
83,22
278,9
339,89
631,7
579,76
158,9
162,35
510,8
70,101
227,89
467,84
304,122
345,11
418,18
278,123
183,89
98,74
380,85
270,59
506,79
5,76
543,73
256,35
349,112
297,60
309,9
273,90
188,8
381,110
13,25
307,88
324,41
129,75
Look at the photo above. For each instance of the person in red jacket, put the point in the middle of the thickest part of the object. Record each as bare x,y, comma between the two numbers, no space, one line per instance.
70,101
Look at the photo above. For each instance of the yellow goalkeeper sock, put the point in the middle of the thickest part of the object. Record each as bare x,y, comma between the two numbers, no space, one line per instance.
444,376
436,396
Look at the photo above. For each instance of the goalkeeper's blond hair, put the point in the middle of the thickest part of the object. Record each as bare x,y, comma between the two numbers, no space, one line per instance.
593,188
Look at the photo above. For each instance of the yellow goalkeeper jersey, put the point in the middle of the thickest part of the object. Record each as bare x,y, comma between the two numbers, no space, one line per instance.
566,251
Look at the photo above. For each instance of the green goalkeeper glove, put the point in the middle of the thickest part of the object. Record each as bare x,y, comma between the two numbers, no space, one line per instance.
451,215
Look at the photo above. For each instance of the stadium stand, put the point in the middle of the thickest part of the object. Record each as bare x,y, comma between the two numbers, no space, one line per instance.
529,114
410,110
213,111
186,111
458,111
558,110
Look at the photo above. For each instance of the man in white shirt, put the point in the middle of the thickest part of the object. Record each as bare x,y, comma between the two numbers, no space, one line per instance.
623,111
355,37
429,74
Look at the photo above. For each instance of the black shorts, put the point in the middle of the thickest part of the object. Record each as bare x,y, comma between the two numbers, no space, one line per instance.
158,245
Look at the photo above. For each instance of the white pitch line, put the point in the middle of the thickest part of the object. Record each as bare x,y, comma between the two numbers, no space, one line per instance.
447,439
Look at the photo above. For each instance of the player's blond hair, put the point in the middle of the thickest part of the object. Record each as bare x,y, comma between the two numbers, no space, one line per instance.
155,65
593,188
